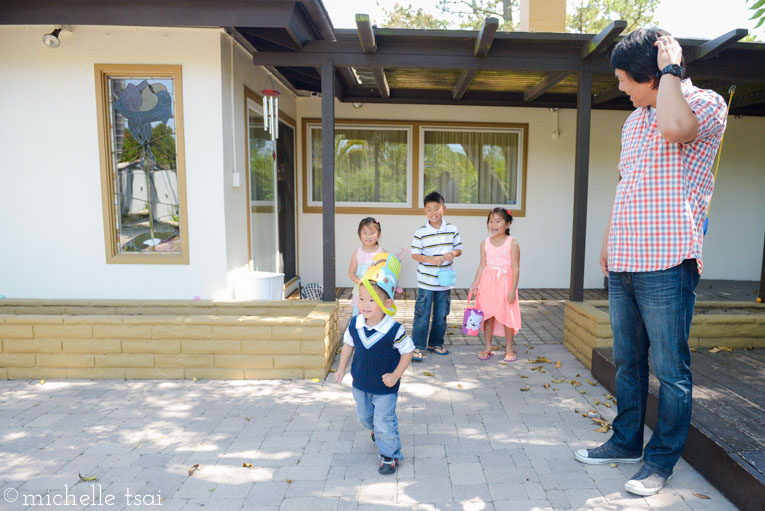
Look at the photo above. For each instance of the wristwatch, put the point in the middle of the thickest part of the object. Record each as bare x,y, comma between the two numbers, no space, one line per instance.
672,69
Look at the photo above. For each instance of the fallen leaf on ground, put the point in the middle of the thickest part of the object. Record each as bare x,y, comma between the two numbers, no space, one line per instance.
87,478
557,364
578,375
602,429
547,385
289,481
523,376
539,360
612,465
315,380
692,350
459,385
609,396
194,468
606,405
195,379
524,389
333,370
247,465
596,402
428,373
575,383
494,347
211,490
583,392
555,388
247,419
557,381
720,348
594,384
42,382
701,496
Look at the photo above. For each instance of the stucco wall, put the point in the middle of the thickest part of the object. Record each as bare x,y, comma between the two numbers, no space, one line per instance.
237,69
733,249
51,218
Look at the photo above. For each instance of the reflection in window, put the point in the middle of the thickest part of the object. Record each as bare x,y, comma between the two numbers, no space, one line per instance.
143,142
370,165
473,167
261,159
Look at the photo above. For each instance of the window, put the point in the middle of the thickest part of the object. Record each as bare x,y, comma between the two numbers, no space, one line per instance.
142,163
372,165
474,167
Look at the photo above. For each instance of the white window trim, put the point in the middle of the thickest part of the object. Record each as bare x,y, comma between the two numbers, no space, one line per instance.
518,206
391,127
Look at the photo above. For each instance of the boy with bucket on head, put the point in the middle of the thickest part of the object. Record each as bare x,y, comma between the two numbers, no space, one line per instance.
434,246
381,352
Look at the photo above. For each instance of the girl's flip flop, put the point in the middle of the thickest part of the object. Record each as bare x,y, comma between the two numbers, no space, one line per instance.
485,355
512,357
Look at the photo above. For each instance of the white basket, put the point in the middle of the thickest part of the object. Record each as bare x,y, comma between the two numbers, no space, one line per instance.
259,285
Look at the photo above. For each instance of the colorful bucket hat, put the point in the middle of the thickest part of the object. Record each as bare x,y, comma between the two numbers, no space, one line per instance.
384,272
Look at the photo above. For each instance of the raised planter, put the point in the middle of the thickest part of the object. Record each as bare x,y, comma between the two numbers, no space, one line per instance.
166,339
587,325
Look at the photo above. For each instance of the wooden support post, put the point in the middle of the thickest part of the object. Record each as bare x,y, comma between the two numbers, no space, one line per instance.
581,176
328,177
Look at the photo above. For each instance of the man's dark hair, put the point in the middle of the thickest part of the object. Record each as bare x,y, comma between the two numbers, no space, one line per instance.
433,197
636,55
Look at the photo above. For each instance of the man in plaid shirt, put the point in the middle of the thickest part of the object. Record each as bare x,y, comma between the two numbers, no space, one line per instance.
652,249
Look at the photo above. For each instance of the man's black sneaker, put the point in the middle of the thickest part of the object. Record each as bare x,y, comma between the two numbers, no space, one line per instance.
603,455
387,465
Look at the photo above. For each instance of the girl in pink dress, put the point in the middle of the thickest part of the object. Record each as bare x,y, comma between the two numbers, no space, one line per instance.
369,234
496,284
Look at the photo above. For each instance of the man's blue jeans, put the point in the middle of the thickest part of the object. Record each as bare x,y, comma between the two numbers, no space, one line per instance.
653,310
377,412
440,303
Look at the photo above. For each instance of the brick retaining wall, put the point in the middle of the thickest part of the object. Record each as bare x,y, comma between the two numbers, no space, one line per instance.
166,339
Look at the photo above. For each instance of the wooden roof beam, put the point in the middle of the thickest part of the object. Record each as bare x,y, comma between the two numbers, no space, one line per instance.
481,49
607,95
599,43
543,85
713,48
748,100
368,43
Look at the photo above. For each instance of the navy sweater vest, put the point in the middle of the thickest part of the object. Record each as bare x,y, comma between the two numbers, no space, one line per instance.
369,364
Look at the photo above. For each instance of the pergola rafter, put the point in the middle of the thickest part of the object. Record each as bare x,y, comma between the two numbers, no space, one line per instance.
481,49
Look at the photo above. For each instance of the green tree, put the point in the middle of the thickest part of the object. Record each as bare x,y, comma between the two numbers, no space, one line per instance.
592,16
758,14
589,16
400,16
162,146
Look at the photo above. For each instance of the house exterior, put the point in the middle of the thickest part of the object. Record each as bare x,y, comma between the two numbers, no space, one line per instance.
78,223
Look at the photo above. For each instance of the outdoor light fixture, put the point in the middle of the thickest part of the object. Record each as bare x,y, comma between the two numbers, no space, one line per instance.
51,40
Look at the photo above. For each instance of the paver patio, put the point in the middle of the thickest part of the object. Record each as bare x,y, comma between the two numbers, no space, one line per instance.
472,439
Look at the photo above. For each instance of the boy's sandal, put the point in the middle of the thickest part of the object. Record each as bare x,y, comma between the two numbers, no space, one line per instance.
438,350
510,357
485,355
416,356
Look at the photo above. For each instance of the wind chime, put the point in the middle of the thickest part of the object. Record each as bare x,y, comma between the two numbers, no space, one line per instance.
271,112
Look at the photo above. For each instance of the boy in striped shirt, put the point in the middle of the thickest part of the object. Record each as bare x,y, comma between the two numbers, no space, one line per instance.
434,246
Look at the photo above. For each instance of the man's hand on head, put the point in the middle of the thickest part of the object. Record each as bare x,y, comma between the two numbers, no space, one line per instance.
670,51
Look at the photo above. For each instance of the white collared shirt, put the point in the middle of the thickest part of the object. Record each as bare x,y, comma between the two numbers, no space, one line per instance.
403,343
429,241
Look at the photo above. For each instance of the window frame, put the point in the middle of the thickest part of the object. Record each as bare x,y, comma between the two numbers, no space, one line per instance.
311,206
104,121
519,208
416,176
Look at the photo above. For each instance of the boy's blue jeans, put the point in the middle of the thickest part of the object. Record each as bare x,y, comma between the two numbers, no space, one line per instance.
653,310
377,412
440,303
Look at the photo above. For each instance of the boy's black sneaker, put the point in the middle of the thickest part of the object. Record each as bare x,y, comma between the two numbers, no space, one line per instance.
387,465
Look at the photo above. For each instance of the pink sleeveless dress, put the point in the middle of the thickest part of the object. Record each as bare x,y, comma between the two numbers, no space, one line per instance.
494,286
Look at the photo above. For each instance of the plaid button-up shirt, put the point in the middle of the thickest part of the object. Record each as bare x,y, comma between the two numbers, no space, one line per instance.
665,188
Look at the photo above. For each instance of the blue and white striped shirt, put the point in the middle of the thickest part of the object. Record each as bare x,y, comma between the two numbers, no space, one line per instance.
429,241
